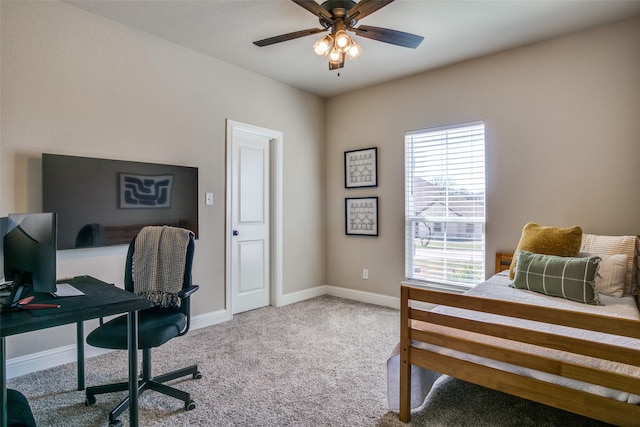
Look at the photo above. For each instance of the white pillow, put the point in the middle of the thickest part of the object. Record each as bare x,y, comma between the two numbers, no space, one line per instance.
612,245
611,273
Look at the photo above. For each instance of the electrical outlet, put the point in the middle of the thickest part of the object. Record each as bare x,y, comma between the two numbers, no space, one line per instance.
365,274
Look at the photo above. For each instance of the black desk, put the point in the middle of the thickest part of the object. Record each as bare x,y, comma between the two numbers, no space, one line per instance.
100,299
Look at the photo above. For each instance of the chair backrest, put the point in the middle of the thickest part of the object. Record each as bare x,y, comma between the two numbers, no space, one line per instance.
187,280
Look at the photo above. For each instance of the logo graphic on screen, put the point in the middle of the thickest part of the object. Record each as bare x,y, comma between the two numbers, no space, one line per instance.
144,191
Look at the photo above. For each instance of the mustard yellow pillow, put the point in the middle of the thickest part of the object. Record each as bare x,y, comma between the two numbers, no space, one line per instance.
546,240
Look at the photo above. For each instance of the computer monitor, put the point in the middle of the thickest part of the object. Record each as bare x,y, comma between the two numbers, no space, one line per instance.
30,251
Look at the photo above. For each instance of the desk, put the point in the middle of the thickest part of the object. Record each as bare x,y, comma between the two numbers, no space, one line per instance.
100,299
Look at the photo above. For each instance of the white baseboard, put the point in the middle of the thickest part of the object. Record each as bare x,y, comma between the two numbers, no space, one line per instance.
362,296
58,356
298,296
22,365
209,319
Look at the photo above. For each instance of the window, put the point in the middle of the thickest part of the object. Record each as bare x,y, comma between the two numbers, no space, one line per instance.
445,204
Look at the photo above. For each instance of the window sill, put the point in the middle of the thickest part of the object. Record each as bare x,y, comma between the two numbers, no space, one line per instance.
458,289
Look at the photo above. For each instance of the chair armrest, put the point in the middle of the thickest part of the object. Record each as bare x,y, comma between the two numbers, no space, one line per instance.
186,292
185,307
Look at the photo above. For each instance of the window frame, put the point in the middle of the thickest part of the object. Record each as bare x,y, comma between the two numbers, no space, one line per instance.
463,223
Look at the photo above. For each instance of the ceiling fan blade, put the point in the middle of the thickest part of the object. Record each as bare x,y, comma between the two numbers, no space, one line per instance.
386,35
288,36
314,8
366,7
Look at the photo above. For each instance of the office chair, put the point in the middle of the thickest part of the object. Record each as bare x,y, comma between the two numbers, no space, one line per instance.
18,410
157,258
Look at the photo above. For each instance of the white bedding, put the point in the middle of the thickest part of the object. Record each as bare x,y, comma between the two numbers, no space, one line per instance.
497,287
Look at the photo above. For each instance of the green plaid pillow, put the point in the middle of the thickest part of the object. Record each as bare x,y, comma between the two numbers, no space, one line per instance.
564,277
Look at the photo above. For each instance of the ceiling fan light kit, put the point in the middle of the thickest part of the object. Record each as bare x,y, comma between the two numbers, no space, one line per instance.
338,17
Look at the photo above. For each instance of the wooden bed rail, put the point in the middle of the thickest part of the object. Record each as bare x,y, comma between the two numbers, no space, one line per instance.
575,319
488,340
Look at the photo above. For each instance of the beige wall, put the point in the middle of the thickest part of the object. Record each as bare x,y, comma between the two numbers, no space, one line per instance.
562,123
74,83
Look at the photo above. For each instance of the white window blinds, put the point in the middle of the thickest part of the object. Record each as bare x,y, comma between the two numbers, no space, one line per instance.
445,204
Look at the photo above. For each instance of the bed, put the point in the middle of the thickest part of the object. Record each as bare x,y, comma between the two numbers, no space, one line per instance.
583,358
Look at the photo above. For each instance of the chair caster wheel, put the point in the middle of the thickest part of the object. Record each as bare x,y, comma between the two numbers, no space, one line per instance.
197,375
190,405
89,400
116,423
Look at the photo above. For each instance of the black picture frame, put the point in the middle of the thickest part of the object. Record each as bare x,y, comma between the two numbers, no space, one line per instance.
361,168
361,216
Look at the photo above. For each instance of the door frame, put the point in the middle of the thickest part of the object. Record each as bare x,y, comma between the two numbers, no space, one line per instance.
276,203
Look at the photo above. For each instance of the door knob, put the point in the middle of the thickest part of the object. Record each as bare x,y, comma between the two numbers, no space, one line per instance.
235,232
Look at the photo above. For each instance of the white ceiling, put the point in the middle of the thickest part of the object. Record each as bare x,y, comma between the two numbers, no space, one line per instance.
453,30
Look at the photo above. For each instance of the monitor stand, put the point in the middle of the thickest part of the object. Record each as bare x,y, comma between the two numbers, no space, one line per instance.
18,293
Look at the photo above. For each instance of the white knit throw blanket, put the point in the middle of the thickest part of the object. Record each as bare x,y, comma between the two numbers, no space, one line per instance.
158,264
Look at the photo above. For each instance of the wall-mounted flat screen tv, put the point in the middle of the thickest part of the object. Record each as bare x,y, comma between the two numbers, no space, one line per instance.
103,202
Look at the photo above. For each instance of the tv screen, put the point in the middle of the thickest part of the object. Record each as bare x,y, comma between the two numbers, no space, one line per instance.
30,251
103,202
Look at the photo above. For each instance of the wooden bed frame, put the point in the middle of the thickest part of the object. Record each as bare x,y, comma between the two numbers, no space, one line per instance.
415,327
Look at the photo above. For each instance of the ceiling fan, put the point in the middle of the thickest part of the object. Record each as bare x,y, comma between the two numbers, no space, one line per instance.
338,17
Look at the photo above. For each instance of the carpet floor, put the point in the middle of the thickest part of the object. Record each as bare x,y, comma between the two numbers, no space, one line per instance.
320,362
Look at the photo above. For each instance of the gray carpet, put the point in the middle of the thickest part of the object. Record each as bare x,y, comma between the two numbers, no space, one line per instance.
319,362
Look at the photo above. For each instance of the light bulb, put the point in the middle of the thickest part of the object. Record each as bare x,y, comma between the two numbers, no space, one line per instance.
336,59
335,55
354,50
323,45
342,39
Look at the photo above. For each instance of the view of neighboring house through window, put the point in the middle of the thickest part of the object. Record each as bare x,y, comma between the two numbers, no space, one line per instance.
445,204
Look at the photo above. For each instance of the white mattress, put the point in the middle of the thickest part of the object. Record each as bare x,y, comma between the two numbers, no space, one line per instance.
497,287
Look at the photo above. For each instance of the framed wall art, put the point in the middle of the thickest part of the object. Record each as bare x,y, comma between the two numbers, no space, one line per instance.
145,191
361,216
361,168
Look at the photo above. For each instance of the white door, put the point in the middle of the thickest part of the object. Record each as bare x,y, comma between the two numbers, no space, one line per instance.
250,220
